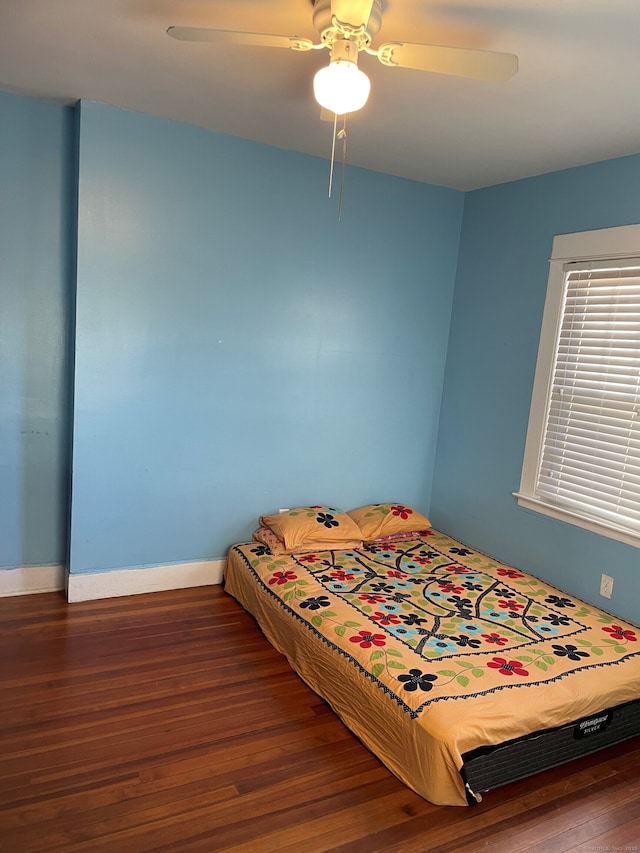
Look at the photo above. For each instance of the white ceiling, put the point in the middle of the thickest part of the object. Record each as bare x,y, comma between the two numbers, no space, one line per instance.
575,99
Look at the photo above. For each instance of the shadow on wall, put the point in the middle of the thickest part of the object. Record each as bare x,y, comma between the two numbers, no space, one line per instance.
37,278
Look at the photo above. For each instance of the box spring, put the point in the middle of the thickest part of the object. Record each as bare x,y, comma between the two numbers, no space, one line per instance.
492,766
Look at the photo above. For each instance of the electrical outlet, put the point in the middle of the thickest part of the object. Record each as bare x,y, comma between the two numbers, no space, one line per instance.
606,586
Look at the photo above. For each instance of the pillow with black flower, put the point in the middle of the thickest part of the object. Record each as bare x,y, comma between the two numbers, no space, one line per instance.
308,525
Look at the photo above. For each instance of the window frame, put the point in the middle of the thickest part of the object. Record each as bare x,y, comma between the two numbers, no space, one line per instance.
618,243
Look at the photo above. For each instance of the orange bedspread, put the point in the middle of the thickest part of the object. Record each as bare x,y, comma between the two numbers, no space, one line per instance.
428,649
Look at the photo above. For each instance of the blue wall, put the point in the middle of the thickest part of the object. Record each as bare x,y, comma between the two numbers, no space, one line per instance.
36,272
238,349
499,299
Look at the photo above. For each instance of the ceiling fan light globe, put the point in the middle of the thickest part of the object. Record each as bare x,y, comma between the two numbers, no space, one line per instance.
341,87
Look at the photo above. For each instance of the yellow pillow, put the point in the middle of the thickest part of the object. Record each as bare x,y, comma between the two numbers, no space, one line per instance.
267,537
308,525
378,520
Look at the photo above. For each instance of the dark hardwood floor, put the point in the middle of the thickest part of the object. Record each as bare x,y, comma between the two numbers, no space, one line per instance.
166,722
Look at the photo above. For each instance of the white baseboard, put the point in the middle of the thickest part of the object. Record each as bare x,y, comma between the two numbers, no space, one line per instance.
86,587
31,579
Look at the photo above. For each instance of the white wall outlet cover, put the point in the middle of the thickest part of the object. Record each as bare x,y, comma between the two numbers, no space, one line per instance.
606,586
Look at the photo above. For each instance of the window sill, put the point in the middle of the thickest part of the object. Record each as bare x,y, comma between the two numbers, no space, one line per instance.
595,526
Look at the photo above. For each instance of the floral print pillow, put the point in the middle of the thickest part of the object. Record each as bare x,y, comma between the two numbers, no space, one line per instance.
313,526
379,521
276,547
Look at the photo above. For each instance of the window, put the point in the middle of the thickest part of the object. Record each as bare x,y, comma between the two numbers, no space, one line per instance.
582,454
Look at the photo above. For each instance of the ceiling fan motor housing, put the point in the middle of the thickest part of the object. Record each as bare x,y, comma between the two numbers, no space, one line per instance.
361,31
344,50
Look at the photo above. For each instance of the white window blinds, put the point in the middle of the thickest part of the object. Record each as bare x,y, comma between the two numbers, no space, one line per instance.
590,456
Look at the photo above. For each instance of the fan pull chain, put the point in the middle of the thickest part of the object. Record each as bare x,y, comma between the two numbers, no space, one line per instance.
342,134
333,152
338,134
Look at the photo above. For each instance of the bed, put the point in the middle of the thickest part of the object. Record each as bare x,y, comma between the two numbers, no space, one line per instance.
460,673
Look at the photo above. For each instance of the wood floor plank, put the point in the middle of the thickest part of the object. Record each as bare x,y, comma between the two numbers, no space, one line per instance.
584,835
166,722
625,837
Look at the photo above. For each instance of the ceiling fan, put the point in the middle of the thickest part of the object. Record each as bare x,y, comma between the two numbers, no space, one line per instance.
345,28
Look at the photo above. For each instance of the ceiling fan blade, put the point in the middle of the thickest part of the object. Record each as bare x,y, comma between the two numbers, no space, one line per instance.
458,61
202,34
354,12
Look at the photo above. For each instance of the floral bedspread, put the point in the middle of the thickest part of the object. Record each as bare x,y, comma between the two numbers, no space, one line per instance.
436,625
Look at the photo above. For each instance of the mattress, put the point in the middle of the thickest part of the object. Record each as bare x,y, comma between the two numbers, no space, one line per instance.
434,654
